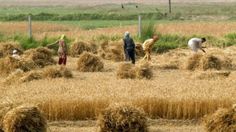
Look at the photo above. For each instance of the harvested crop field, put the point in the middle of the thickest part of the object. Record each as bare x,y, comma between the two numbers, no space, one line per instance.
175,93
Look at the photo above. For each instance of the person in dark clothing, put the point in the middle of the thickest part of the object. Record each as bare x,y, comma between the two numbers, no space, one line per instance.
129,48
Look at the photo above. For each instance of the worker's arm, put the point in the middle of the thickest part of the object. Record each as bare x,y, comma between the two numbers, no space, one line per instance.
49,45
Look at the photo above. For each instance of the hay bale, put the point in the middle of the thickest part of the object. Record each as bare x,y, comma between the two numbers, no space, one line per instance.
112,51
88,62
5,106
40,56
122,118
14,77
7,48
78,48
212,75
8,64
139,50
24,119
130,71
193,62
56,72
144,71
210,62
126,70
223,120
30,76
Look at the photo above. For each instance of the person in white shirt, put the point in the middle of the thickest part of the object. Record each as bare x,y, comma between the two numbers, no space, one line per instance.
15,54
196,43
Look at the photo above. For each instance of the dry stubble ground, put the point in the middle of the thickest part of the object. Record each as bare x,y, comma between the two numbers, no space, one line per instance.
172,85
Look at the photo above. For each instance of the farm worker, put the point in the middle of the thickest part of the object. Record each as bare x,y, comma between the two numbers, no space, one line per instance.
15,54
147,47
196,43
62,50
129,47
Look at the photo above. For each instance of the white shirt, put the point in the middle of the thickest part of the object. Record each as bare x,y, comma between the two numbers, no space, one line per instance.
195,44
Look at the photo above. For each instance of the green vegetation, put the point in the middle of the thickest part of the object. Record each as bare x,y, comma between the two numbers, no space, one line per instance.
115,12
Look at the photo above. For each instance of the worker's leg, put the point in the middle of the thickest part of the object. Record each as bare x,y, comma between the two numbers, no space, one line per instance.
145,56
149,55
132,55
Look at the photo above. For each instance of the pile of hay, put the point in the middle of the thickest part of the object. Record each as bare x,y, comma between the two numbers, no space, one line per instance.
143,71
4,108
8,47
206,62
89,62
40,56
78,48
122,118
30,76
19,76
127,70
112,51
24,119
56,72
212,75
223,120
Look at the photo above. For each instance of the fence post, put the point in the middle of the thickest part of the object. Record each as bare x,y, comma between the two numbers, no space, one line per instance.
139,26
29,26
169,6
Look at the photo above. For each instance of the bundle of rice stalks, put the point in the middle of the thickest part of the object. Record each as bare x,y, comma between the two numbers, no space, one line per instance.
24,119
40,56
210,62
9,64
139,50
112,51
223,120
194,62
122,118
126,70
30,76
206,62
212,75
89,63
4,108
8,47
56,72
144,71
78,48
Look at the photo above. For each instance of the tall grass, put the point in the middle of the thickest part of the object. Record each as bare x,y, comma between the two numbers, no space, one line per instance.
83,109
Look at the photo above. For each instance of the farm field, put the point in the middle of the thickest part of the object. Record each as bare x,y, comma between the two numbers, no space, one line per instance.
181,90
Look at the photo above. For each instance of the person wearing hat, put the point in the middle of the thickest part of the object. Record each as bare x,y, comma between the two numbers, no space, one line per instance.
147,47
196,43
129,47
62,50
15,54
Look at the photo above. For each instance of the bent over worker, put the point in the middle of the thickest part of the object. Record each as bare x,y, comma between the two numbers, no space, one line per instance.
196,43
129,47
147,47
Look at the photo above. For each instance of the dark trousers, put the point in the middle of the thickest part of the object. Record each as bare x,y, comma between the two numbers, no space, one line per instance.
131,54
62,60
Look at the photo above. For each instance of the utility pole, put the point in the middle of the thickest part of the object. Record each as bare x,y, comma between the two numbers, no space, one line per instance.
29,26
139,26
169,6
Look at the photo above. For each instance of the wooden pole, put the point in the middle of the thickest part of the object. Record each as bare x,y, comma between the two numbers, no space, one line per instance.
29,26
169,6
139,26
